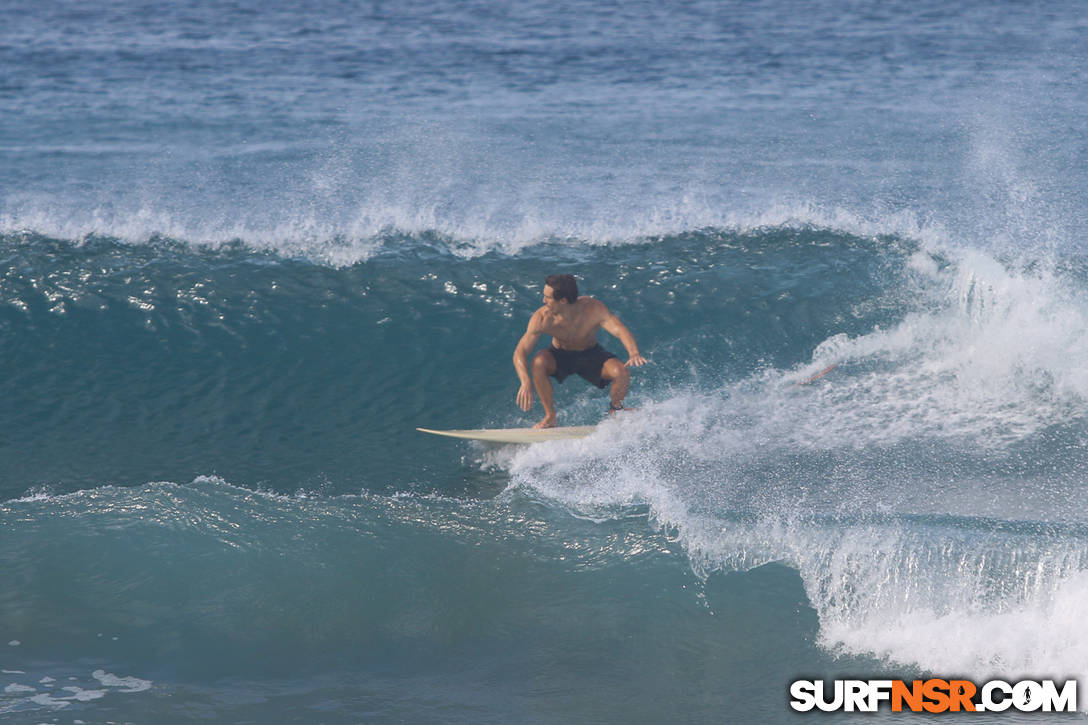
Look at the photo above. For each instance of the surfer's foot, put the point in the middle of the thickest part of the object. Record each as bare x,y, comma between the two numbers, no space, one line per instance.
612,408
548,422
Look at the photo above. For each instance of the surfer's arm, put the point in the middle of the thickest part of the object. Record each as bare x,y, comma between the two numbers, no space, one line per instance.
613,326
521,361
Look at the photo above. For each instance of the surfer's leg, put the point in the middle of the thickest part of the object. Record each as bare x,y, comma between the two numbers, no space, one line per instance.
614,370
543,366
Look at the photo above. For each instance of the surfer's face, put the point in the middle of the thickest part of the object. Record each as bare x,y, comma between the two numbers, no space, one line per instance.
549,298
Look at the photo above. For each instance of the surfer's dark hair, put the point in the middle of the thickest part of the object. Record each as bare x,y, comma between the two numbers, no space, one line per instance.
564,287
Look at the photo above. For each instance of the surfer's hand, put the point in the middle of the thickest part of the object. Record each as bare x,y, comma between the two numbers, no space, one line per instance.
636,361
525,396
